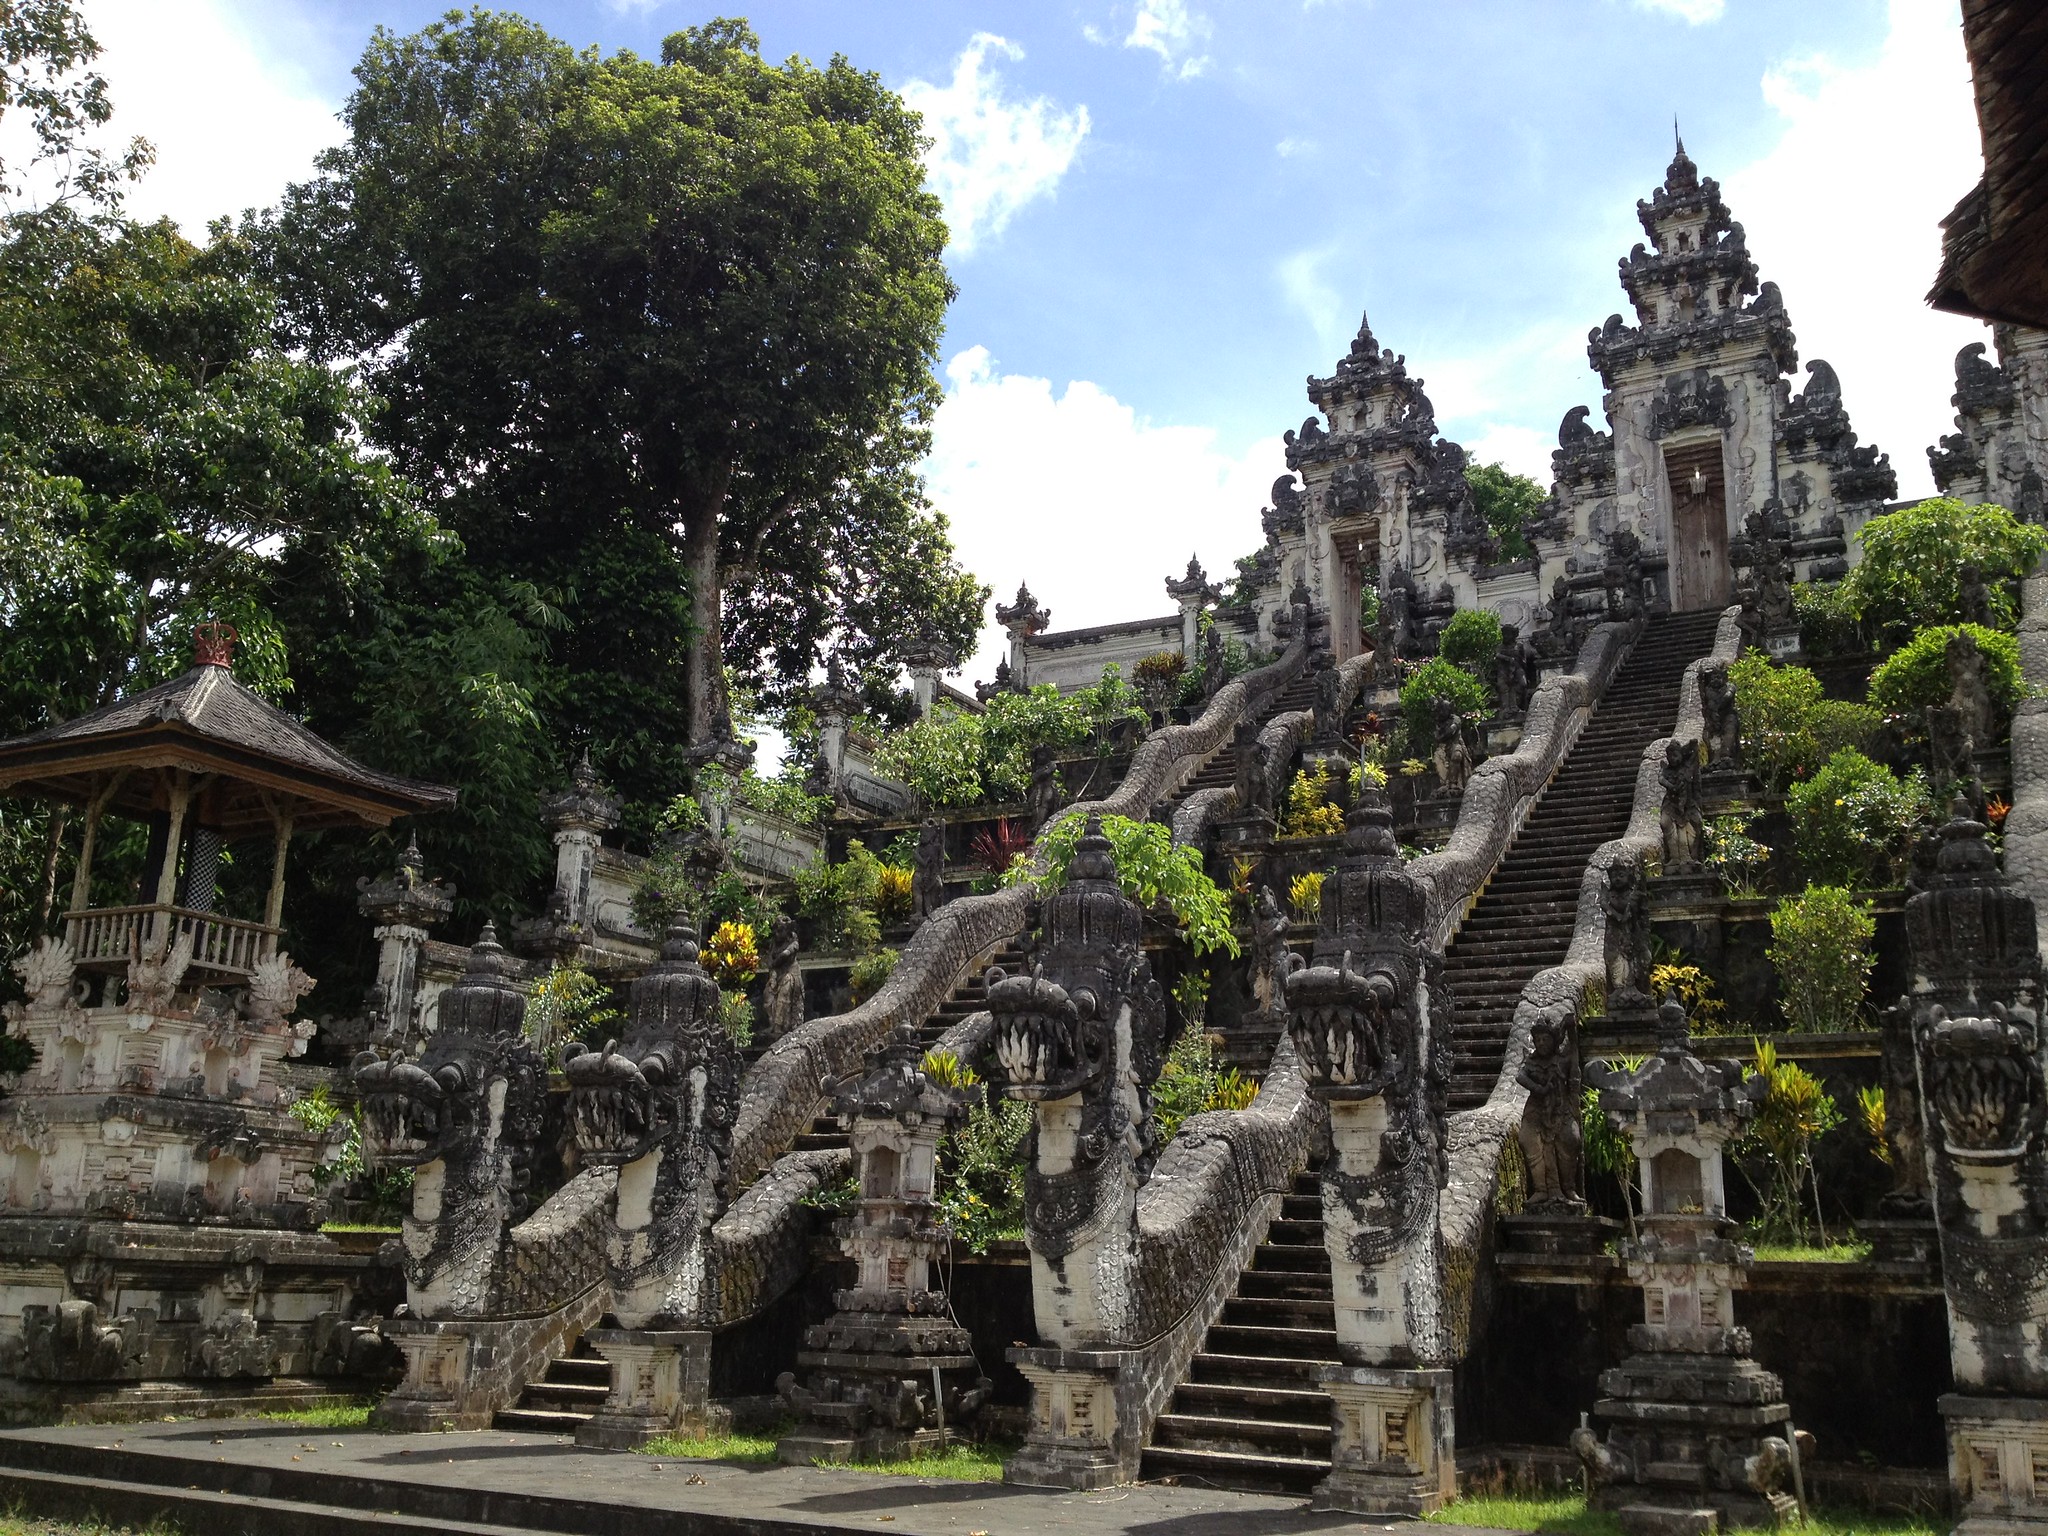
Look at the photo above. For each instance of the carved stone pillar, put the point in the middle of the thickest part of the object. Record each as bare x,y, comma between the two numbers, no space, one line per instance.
1192,593
661,1385
1979,1047
1022,619
404,905
1370,1017
2026,825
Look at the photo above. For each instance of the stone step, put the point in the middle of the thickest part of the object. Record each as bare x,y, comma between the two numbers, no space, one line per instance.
540,1421
1236,1470
1291,1257
1296,1375
1253,1436
1304,1285
573,1396
1274,1343
1272,1404
1279,1311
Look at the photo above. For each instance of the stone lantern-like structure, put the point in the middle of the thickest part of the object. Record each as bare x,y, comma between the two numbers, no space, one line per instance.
1687,1414
1983,1107
1022,620
403,904
890,1373
1191,592
1371,1022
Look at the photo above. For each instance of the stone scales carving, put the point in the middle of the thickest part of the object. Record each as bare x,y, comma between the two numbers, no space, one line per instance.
890,1373
1687,1414
1370,1017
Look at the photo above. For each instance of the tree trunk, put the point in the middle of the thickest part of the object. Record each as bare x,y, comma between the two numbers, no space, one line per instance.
704,668
48,899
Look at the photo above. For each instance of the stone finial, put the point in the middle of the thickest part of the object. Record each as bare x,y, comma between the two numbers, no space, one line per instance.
585,805
1023,618
1193,587
405,897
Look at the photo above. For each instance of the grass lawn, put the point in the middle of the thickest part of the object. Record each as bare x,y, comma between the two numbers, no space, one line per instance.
1808,1253
961,1463
339,1413
1567,1515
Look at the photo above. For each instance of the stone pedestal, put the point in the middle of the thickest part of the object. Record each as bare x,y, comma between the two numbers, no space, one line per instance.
1903,1240
1782,645
1073,1440
1245,831
1558,1234
661,1385
1695,893
1998,1463
436,1392
1392,1450
1725,789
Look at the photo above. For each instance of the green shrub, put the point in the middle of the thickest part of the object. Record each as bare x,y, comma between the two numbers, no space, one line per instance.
869,971
981,1179
1471,640
1820,947
958,759
1191,1081
1739,859
940,758
1152,871
1435,679
1310,811
1507,502
849,900
1795,1112
1827,619
1853,821
1789,726
1917,675
565,1003
1910,575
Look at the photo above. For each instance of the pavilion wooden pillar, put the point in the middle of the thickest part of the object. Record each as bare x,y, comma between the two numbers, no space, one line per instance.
167,874
273,907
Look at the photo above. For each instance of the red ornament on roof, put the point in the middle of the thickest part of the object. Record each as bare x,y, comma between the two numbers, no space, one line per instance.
213,644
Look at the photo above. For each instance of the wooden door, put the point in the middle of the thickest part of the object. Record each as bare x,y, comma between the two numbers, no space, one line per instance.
1699,528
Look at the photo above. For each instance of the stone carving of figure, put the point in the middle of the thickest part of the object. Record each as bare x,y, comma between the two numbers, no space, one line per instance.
1511,673
928,869
1624,575
1723,723
1043,796
1950,750
782,998
1269,949
1559,625
1627,906
1975,597
1214,665
1453,759
1552,1132
1328,684
1772,579
1681,820
1970,693
1252,798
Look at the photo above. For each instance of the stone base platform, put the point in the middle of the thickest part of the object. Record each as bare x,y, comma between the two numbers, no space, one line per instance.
261,1478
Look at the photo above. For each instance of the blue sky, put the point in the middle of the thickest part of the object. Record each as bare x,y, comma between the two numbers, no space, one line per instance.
1168,212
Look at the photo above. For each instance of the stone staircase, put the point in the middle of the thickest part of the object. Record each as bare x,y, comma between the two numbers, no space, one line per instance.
1523,920
1220,772
1249,1416
573,1387
968,999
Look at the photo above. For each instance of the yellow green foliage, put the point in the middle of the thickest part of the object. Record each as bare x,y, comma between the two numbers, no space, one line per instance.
1693,989
732,954
1309,811
1305,895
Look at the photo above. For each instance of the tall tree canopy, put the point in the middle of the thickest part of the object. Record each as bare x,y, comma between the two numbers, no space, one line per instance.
655,335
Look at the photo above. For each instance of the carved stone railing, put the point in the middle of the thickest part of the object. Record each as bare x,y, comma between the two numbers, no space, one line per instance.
780,1095
1282,737
1477,1135
103,936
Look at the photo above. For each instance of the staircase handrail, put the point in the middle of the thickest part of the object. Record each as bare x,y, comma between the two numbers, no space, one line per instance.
781,1093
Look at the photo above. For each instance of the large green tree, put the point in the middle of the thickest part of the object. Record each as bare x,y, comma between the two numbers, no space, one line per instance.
656,335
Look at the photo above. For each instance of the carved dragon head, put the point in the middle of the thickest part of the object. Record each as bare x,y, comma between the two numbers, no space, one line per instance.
441,1106
638,1092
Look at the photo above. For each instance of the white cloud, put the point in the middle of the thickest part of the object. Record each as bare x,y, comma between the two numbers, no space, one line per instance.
1308,289
1076,493
1169,29
232,122
1521,449
990,156
1694,12
1290,148
1843,215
